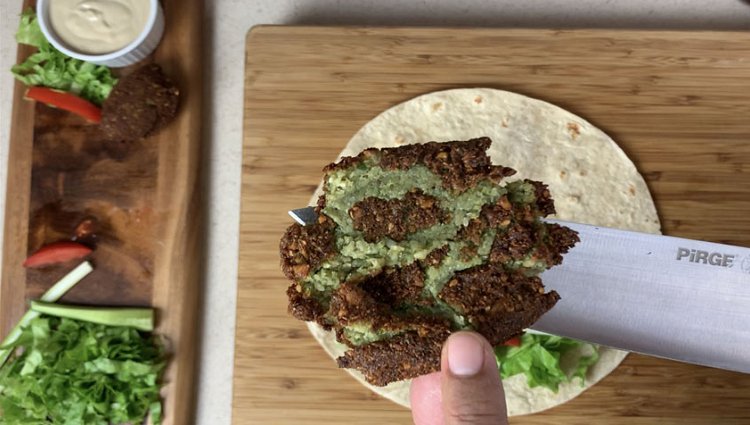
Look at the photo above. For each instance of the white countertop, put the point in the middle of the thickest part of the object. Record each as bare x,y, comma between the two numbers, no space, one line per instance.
228,21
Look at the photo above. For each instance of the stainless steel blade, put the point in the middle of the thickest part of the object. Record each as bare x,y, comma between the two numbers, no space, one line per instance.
668,297
304,216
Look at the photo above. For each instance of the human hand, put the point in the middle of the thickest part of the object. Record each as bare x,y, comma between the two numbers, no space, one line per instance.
466,391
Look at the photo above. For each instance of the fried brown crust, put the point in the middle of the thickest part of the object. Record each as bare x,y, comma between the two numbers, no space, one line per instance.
497,215
140,104
396,286
544,203
460,164
377,218
499,303
472,232
303,307
375,299
560,240
351,304
304,248
402,357
514,244
435,257
375,302
500,326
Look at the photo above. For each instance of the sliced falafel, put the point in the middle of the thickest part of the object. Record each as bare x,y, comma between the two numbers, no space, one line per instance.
415,242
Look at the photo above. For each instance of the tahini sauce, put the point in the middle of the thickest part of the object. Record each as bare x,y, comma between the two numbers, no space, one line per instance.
98,26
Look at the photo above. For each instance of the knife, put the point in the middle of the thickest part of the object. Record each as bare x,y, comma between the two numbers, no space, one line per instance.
668,297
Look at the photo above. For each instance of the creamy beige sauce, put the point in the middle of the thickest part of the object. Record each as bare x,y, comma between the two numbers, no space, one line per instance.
98,26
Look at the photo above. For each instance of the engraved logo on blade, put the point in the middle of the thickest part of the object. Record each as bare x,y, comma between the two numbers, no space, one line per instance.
706,257
746,264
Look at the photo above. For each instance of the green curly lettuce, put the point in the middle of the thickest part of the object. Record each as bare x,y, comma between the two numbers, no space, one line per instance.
538,357
71,372
51,68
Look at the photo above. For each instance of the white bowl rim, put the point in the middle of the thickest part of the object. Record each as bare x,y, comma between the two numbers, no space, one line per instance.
49,33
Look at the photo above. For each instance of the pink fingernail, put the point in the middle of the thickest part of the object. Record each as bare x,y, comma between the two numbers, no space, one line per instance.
465,355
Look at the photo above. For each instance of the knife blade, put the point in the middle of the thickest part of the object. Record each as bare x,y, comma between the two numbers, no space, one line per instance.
669,297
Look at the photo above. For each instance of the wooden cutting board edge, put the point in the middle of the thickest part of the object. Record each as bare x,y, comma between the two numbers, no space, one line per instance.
15,233
263,408
185,230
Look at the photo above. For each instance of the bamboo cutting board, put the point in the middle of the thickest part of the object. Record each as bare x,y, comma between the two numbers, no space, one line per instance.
677,102
145,197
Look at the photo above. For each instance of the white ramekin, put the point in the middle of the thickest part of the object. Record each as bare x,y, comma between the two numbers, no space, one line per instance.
134,52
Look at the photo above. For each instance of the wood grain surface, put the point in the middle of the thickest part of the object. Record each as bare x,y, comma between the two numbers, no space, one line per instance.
676,102
144,196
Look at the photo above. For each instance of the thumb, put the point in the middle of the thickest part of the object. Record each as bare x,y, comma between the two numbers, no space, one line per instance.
471,387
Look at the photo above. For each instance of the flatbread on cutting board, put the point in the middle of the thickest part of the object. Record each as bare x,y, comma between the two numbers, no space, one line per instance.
591,180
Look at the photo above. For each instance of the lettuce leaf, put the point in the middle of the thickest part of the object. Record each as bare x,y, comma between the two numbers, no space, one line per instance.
539,358
69,372
29,31
51,68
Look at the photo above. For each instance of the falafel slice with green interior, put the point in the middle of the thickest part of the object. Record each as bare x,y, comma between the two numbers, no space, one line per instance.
415,242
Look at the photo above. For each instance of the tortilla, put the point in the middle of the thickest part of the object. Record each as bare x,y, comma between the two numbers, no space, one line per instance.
591,179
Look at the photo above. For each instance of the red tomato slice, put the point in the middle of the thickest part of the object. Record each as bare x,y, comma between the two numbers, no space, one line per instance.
66,101
56,253
513,342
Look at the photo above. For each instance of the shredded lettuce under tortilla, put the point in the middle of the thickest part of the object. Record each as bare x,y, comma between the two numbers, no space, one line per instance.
539,358
51,68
